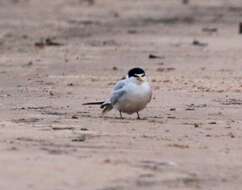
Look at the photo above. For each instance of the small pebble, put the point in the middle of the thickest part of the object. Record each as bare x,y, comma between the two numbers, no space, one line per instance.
115,68
51,93
84,129
74,117
81,138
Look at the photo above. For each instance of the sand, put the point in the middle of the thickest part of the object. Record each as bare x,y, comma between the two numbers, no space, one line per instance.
56,55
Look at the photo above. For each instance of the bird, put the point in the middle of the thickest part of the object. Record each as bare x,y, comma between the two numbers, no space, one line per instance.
129,95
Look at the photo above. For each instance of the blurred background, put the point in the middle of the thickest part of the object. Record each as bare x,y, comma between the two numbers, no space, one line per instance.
58,54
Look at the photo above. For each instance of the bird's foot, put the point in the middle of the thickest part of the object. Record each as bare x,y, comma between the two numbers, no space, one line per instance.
138,117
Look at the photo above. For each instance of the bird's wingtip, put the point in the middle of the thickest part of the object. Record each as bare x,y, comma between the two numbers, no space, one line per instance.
93,103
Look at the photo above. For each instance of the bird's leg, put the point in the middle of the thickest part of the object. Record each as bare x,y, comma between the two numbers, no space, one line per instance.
138,117
120,113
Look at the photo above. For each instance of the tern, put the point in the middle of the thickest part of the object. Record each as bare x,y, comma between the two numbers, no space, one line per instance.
129,95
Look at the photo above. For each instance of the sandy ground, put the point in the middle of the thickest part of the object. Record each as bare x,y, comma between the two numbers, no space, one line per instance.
56,55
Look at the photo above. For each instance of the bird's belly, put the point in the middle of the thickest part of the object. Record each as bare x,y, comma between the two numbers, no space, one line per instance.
133,103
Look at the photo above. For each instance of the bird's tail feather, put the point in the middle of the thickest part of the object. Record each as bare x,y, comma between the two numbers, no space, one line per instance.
93,103
106,107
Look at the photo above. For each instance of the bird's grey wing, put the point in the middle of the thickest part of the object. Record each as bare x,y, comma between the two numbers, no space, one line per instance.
118,92
120,84
116,95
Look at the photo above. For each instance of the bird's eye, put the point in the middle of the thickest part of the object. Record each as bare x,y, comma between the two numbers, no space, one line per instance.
142,75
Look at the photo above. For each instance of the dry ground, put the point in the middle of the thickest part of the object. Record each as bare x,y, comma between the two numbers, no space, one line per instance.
55,55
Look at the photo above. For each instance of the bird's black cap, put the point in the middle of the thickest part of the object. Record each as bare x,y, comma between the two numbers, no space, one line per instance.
133,72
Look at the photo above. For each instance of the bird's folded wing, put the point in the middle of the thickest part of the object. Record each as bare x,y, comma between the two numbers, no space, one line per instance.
116,95
120,84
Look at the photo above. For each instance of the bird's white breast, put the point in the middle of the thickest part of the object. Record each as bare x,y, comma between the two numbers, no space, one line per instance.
135,99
